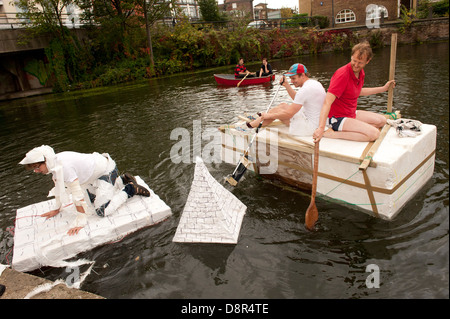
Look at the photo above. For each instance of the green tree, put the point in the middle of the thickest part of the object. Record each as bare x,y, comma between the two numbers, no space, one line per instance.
209,10
154,10
114,19
47,17
43,16
120,20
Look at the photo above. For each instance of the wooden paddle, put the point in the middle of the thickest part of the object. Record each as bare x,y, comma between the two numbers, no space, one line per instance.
243,163
242,79
392,71
312,214
386,127
366,162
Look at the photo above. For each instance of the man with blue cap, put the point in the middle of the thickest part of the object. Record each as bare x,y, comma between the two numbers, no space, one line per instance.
302,115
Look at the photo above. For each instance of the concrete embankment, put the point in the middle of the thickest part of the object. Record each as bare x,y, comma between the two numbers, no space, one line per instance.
19,285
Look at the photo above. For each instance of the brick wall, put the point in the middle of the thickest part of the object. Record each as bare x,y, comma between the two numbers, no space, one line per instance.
324,8
245,6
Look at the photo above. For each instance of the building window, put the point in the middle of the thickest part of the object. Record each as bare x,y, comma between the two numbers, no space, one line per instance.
376,12
234,5
345,16
192,12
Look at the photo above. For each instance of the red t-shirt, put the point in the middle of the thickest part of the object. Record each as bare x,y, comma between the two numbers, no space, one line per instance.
346,87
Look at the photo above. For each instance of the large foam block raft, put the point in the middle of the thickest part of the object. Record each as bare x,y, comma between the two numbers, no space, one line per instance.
44,242
398,170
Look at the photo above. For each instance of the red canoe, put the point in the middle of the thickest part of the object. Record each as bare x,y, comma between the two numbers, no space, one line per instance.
230,80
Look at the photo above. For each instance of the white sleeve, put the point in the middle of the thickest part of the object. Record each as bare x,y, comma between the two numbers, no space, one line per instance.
300,97
77,192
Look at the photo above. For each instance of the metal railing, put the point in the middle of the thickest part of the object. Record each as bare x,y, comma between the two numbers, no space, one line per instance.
265,24
12,20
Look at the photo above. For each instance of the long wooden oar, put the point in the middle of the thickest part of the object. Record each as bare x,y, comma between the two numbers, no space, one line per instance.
392,71
386,127
242,79
312,214
241,167
366,162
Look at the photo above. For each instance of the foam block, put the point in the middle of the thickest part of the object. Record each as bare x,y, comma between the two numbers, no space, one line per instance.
44,242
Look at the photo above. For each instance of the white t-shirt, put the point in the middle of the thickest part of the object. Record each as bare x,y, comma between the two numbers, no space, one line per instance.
79,165
311,96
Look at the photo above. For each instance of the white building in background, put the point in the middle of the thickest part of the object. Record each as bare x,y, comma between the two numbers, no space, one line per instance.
72,13
9,11
190,8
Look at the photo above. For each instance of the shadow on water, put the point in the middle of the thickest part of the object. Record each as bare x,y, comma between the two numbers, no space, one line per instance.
276,257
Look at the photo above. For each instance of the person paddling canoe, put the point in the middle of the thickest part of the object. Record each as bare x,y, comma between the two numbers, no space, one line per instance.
240,71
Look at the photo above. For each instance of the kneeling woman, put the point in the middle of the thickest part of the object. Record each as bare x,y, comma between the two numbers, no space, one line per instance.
91,179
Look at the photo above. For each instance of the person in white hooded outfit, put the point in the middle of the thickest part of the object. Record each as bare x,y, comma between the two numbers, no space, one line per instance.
91,180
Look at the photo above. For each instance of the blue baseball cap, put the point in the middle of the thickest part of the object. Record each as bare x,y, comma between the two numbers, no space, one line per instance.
296,68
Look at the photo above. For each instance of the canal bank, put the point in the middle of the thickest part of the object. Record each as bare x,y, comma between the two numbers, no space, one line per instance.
18,285
415,31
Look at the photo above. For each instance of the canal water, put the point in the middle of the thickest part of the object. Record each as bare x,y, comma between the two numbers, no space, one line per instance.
275,257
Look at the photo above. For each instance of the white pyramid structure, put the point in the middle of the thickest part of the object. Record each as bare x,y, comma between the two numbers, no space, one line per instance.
212,214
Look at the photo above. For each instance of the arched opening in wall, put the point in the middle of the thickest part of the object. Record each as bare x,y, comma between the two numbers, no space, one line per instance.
345,16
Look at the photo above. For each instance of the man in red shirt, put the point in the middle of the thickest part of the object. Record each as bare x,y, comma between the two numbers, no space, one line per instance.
339,108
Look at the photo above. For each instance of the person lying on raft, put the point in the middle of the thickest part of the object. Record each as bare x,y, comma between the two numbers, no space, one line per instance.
302,115
91,179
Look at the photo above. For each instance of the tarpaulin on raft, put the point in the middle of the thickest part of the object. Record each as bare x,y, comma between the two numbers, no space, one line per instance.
212,214
44,242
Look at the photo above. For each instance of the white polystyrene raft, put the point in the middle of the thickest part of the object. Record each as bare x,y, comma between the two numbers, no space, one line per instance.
400,167
44,242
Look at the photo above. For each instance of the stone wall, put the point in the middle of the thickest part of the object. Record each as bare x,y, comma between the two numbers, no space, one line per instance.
420,31
12,40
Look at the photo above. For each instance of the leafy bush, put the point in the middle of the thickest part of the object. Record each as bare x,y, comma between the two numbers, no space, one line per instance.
184,47
298,20
437,9
322,21
441,8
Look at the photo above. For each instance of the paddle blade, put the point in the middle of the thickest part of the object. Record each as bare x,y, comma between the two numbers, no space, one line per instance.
237,175
239,171
311,216
231,180
242,79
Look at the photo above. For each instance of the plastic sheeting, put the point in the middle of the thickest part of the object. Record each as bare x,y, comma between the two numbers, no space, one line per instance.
44,242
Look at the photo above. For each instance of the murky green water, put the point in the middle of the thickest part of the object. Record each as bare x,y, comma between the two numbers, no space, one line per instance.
275,256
